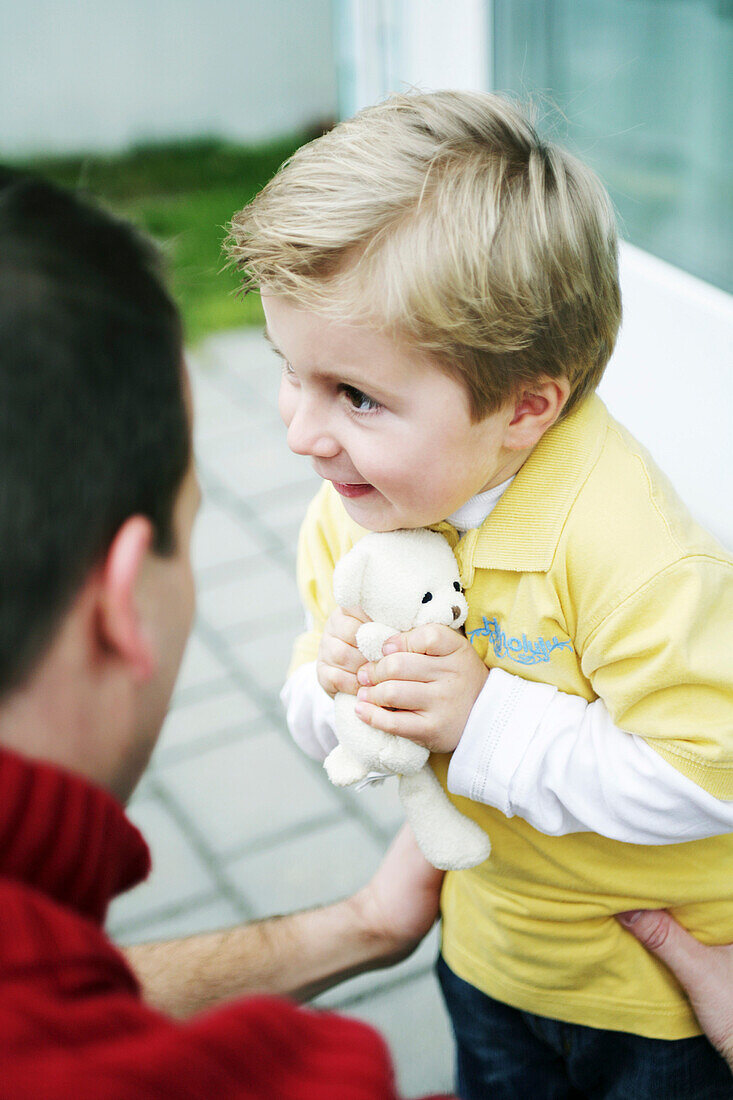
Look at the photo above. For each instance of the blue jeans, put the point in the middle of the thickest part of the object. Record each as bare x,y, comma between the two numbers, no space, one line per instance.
505,1054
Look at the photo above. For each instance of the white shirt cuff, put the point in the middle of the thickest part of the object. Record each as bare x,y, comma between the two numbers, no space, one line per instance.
309,712
486,760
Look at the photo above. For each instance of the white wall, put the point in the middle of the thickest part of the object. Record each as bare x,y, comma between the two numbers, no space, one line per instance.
670,381
388,46
99,74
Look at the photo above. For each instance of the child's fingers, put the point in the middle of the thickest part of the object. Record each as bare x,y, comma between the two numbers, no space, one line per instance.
342,624
338,653
354,613
334,680
431,639
398,666
396,695
401,723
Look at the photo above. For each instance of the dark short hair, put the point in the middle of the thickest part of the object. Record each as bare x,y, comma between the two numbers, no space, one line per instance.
93,422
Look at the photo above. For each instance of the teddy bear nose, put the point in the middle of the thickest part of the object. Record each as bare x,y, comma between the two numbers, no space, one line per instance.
456,612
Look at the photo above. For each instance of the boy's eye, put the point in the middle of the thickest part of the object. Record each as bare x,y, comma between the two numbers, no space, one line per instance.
360,402
427,597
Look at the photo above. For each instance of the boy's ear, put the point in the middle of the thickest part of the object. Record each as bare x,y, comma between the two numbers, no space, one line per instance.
535,410
121,628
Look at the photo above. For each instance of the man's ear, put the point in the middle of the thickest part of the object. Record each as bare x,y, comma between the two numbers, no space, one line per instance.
121,628
535,410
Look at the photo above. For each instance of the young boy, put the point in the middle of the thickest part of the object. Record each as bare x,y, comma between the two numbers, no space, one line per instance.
442,288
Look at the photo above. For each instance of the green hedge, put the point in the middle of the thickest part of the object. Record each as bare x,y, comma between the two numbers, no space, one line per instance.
184,194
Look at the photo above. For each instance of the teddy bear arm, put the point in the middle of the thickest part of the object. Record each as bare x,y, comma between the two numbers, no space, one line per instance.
343,768
370,637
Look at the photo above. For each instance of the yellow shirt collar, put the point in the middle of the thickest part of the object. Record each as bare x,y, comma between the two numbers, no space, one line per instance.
523,530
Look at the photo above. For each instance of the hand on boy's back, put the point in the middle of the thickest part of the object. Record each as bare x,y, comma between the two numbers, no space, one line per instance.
339,658
423,688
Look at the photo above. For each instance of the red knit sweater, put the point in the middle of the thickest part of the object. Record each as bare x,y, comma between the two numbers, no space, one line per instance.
72,1023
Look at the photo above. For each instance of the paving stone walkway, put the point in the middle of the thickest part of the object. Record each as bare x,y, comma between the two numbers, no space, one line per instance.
241,824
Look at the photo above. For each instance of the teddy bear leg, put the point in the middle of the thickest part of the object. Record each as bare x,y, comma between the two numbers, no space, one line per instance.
342,768
447,838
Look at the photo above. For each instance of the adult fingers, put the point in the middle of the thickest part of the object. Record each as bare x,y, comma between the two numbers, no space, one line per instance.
706,972
664,937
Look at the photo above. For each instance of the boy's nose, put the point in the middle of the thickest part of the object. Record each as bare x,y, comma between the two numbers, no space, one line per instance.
308,435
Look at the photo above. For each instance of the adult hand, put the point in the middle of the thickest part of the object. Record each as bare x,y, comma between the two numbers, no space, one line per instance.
706,973
338,655
424,688
400,904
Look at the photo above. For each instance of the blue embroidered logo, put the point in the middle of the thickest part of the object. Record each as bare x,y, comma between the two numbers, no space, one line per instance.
518,649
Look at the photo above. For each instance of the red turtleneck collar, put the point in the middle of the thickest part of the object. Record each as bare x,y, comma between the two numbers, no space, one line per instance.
63,836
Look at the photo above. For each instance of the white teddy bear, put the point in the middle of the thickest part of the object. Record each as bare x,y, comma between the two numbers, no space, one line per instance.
402,579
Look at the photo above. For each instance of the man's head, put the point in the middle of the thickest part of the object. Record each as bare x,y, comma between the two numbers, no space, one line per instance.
96,478
444,220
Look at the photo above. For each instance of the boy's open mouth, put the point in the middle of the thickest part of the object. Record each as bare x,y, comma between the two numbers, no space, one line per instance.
347,490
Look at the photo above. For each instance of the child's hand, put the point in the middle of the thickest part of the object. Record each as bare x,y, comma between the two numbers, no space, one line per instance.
424,688
338,657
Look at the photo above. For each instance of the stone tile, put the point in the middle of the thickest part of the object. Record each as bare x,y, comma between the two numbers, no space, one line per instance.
221,417
382,803
266,659
218,412
249,791
242,433
240,351
178,874
247,356
319,867
219,538
199,667
283,513
207,396
265,380
251,469
262,592
190,724
207,917
414,1022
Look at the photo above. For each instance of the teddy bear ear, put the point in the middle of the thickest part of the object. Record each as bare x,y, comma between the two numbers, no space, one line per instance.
348,577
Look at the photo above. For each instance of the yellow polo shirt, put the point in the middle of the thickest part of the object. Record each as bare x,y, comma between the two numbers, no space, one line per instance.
589,575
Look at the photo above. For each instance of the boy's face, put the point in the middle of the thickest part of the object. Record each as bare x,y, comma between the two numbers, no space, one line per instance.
387,427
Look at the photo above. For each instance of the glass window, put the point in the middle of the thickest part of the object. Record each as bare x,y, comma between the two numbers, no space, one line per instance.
644,94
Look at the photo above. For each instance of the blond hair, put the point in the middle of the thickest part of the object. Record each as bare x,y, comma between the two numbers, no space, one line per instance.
445,219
